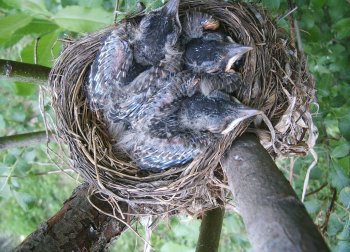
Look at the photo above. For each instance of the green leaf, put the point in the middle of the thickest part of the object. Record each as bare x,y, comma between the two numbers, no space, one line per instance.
14,183
47,49
10,159
9,24
334,225
345,234
83,19
313,206
29,156
173,247
19,116
344,126
37,27
25,89
344,196
22,199
189,231
5,189
4,5
338,101
343,246
3,169
90,3
341,150
272,4
318,3
36,7
2,123
22,167
338,178
342,28
308,20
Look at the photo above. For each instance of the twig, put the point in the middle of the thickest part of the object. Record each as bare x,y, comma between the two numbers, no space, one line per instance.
324,226
291,21
291,170
36,50
29,73
41,173
317,190
288,13
22,140
308,172
116,10
209,235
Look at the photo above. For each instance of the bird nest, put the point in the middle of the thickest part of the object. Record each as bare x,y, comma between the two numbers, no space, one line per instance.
276,82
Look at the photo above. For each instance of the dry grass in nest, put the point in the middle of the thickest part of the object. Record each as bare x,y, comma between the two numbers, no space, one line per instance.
276,82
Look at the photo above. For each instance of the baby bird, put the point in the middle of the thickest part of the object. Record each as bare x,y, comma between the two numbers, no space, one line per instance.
211,57
215,113
211,54
160,116
178,122
110,70
195,23
124,55
157,35
182,130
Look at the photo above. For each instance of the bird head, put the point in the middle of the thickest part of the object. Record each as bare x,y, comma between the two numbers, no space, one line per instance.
157,31
212,54
195,23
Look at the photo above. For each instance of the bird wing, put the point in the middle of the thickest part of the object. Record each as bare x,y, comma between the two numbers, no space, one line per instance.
156,154
136,94
109,70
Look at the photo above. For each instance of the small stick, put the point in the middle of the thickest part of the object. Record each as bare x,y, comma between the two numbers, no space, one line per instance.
116,11
291,21
210,230
26,139
324,226
24,72
317,190
36,43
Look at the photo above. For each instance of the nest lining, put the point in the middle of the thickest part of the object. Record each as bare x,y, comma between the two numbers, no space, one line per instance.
276,82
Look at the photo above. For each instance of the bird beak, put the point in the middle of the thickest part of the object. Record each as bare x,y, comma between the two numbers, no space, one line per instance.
236,52
171,7
211,24
243,114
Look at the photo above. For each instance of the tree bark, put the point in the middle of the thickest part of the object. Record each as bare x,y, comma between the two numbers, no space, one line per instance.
17,71
274,217
78,226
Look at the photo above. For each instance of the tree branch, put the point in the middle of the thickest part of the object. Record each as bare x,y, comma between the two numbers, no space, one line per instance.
274,217
17,71
22,140
210,230
78,226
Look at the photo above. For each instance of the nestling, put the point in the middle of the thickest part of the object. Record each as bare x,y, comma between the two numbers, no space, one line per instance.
157,35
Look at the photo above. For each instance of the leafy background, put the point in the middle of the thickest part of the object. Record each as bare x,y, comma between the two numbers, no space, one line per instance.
32,188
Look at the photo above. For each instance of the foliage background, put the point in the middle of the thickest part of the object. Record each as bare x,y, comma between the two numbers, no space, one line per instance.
32,188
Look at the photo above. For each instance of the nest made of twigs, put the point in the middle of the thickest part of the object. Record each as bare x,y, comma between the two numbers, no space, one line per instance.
276,82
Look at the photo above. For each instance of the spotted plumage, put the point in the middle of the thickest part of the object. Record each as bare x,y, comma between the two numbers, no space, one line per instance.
110,70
